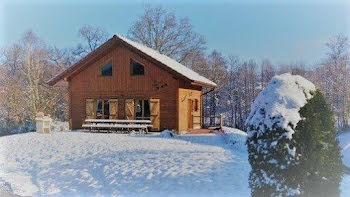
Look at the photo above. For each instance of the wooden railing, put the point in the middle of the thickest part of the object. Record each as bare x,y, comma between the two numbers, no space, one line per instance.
209,121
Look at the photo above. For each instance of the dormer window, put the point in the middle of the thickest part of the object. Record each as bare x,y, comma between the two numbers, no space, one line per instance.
107,70
136,68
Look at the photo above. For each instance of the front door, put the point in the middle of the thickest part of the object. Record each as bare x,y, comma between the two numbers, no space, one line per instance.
189,114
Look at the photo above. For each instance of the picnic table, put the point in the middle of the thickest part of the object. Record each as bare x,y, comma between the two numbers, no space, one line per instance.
140,126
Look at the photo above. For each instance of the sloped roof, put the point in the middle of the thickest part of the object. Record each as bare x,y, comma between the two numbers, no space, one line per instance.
171,63
163,59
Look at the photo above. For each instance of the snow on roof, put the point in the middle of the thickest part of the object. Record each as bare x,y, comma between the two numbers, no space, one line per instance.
280,103
174,65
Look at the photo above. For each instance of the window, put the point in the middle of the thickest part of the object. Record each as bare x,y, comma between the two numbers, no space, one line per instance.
142,110
107,69
99,109
106,109
136,68
196,105
102,111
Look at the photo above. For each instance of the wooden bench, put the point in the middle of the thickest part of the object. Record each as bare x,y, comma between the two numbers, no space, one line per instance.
111,124
118,121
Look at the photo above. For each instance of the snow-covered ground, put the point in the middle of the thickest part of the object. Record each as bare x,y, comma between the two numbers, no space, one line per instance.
88,164
344,141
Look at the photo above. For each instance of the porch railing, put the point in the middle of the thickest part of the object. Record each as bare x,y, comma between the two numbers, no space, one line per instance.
209,121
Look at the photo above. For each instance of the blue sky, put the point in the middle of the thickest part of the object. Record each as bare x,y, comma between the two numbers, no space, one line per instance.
283,32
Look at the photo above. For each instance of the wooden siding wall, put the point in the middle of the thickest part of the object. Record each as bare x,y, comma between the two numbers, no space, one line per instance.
88,84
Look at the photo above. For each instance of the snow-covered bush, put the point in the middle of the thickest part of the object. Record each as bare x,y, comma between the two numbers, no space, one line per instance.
57,126
320,166
167,134
235,138
17,128
284,128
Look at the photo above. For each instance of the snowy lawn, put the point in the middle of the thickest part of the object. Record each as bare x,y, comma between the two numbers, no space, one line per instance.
88,164
344,141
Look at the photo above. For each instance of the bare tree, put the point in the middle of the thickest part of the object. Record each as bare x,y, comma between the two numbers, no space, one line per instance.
12,92
240,90
231,90
217,73
92,38
163,31
295,68
32,68
332,77
61,58
217,67
25,67
267,72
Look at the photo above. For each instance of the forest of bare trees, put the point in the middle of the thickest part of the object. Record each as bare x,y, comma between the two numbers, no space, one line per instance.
28,63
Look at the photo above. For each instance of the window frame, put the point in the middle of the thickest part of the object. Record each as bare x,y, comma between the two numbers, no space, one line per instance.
195,105
132,68
105,64
143,100
101,114
106,103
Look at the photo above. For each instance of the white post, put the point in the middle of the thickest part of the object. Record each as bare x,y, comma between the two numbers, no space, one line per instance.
47,124
221,120
43,123
39,122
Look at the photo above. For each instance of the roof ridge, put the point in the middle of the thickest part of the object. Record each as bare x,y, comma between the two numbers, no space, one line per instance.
152,53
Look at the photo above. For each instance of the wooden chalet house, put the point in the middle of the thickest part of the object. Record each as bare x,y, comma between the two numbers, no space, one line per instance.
123,79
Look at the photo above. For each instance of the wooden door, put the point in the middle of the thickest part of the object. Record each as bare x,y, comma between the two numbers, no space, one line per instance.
113,108
129,109
90,109
189,114
196,114
155,113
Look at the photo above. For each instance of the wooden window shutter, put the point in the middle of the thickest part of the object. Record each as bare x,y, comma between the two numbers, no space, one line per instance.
90,109
129,109
113,108
155,113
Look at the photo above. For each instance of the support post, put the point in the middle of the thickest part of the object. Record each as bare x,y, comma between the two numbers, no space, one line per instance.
221,120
